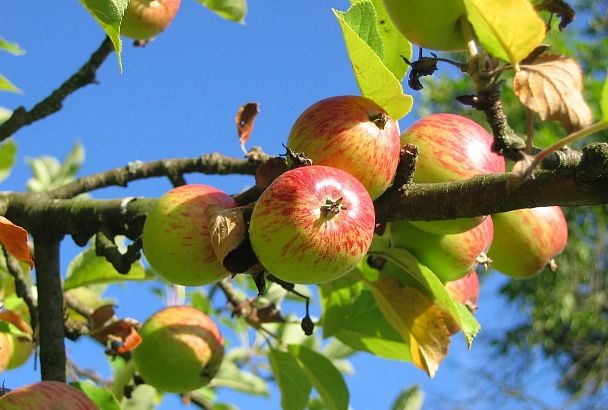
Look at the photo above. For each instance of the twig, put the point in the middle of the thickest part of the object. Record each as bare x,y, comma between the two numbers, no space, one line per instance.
23,290
54,102
105,246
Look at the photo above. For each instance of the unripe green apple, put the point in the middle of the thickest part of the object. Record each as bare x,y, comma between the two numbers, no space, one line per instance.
313,224
176,235
144,19
451,147
351,133
525,240
46,395
451,256
466,291
181,349
430,24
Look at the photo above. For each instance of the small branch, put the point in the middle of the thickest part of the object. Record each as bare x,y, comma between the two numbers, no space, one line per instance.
106,247
54,102
23,290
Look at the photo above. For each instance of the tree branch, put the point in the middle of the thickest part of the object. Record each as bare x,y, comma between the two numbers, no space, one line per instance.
22,289
53,103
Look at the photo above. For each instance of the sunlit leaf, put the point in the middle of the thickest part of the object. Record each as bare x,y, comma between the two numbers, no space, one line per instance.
226,229
103,397
143,397
292,381
108,14
230,376
6,85
604,101
5,114
245,119
14,239
411,398
14,318
234,10
10,47
8,152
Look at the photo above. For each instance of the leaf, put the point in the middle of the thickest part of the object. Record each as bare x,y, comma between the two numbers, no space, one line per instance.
292,381
123,331
230,376
509,30
561,9
6,85
269,171
226,229
375,80
9,47
522,170
417,319
72,162
15,319
87,268
14,239
102,315
552,87
4,114
144,397
411,398
323,375
108,14
8,152
103,397
361,18
244,119
234,10
604,100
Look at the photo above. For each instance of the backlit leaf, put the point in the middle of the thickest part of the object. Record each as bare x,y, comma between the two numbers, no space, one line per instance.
230,376
104,398
14,318
10,47
244,119
6,85
8,152
604,101
292,381
108,14
411,398
14,239
234,10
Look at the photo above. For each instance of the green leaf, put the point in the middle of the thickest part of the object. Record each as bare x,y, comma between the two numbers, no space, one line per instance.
293,383
87,268
6,85
323,375
234,10
604,100
104,398
144,397
5,114
230,376
8,152
108,14
375,79
9,47
509,30
72,162
411,398
49,173
361,18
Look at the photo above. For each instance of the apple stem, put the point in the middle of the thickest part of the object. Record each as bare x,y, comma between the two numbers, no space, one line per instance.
331,208
379,119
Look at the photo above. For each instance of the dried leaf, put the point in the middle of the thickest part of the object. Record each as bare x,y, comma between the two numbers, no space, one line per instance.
561,9
269,171
15,318
227,229
521,171
244,119
102,315
130,342
552,87
122,331
14,239
418,321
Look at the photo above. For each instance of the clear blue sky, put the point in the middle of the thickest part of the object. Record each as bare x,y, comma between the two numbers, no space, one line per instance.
178,97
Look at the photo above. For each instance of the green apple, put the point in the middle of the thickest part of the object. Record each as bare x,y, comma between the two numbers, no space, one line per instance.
144,19
181,349
430,24
176,238
46,395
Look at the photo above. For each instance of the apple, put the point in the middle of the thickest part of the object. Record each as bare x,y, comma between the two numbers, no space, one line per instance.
176,235
526,240
353,134
465,290
313,224
450,256
6,351
430,24
451,147
144,19
181,349
46,395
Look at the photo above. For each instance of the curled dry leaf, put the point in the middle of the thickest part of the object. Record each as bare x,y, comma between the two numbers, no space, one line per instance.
244,119
122,332
227,229
561,9
14,239
552,85
102,315
521,171
269,171
15,319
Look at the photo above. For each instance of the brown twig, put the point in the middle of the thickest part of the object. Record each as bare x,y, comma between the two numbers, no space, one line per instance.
22,289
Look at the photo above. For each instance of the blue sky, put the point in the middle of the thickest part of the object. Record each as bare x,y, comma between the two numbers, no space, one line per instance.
177,97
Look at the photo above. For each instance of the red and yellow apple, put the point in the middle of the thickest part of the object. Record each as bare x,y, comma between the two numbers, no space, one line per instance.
176,238
181,349
525,240
46,395
450,256
451,147
313,224
466,291
144,19
353,134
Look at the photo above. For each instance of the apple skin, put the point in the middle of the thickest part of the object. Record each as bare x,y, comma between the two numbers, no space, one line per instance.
340,132
46,395
181,349
144,19
525,240
176,235
451,147
6,351
430,24
451,256
465,290
296,240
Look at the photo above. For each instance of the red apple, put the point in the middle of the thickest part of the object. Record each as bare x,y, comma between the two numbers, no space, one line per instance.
353,134
144,19
181,349
450,256
312,224
451,147
47,395
465,290
176,235
526,240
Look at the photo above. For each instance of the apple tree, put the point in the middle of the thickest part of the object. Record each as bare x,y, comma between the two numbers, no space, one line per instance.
387,228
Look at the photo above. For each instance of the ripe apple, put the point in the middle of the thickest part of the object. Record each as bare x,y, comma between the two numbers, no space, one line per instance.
353,134
145,19
46,395
176,235
450,256
525,240
465,290
430,24
451,147
313,224
6,351
181,349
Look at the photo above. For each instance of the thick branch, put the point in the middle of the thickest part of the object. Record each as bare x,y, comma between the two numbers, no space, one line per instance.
53,103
